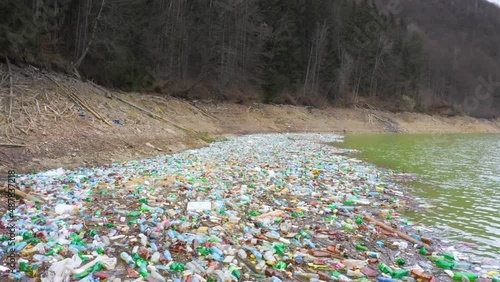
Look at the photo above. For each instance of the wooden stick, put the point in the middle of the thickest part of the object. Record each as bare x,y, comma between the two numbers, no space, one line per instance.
23,195
12,145
77,100
148,112
151,114
399,233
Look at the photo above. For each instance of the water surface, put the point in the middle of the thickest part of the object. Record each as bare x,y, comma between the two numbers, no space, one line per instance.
458,173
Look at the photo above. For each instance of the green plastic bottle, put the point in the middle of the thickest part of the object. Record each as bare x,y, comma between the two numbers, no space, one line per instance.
280,249
444,264
204,251
359,220
360,247
400,261
279,265
423,251
83,274
176,266
235,272
449,256
304,234
144,272
23,266
55,250
27,235
145,208
97,267
83,258
134,214
384,268
348,226
457,276
398,273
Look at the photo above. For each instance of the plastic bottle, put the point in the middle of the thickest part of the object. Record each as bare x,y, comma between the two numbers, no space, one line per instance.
144,239
309,243
306,275
157,276
167,255
444,264
385,279
176,266
398,273
134,214
471,276
256,253
372,254
272,235
384,268
242,254
304,234
360,247
127,258
234,271
423,251
462,265
143,271
217,254
400,261
448,256
155,257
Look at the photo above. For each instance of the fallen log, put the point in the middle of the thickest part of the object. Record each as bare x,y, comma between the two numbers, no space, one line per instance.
399,233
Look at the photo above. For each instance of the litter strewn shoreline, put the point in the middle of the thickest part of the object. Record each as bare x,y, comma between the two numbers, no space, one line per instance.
278,207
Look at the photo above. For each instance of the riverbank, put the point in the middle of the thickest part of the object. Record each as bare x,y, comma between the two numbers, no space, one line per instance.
51,131
300,209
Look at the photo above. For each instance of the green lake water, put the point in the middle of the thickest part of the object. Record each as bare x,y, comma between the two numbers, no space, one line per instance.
459,174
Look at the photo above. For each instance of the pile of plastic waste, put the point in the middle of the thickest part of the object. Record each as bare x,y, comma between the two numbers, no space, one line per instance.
253,208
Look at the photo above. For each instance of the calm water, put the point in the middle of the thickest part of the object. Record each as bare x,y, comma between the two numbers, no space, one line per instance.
458,173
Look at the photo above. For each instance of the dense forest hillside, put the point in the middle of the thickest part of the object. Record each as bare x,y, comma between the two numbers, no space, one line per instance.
400,54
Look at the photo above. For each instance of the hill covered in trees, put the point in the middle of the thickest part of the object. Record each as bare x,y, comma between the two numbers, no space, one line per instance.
411,55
